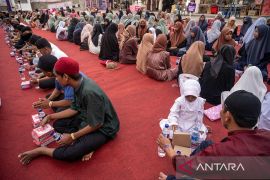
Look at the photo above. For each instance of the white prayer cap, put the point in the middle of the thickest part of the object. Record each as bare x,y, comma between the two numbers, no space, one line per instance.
191,88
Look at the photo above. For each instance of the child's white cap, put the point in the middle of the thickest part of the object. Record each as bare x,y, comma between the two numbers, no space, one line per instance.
191,88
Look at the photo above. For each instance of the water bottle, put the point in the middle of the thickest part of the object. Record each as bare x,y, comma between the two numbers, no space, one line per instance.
165,133
57,136
195,137
22,76
41,113
177,60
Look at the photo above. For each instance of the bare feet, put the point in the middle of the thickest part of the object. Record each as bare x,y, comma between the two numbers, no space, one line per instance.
87,156
28,156
162,176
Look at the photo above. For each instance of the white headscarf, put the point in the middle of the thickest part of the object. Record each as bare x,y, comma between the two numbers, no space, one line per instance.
251,81
249,34
61,27
153,31
264,122
86,32
214,32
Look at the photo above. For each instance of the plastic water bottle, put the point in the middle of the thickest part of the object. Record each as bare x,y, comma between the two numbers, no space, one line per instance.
22,76
177,60
57,136
41,113
165,133
195,137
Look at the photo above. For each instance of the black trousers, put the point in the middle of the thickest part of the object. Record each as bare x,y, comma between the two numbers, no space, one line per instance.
47,83
81,146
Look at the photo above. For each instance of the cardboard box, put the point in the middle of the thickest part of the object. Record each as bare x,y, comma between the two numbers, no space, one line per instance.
252,12
45,142
182,142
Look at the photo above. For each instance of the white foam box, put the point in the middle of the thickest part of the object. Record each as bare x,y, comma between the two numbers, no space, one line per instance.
45,142
43,132
35,120
182,142
26,85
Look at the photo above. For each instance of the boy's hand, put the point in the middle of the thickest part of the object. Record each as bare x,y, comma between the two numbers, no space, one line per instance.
45,120
65,140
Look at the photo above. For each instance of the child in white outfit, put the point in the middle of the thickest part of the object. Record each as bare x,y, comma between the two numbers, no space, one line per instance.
187,111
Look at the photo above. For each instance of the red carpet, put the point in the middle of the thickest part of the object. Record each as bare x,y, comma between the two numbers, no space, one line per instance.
139,101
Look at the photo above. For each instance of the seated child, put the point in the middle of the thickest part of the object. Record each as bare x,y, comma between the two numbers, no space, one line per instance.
187,111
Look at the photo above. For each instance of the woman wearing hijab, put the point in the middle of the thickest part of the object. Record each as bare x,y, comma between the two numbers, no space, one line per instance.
85,35
136,20
141,29
218,75
71,28
119,34
90,19
153,32
192,61
196,34
129,47
247,22
231,24
162,26
123,19
95,40
188,27
151,22
257,52
129,20
249,34
203,23
251,81
51,22
212,34
77,33
224,38
109,49
99,19
144,48
158,61
177,39
61,32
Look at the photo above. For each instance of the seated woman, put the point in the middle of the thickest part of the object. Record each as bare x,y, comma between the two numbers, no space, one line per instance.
119,34
188,27
129,46
77,33
203,23
177,39
85,36
141,29
212,35
247,22
153,32
71,28
61,32
144,48
218,75
109,49
162,26
192,61
257,52
231,24
196,34
51,22
95,40
224,38
158,61
251,81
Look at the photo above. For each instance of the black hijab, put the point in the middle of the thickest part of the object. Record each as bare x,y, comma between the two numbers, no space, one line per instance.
257,48
96,32
203,24
225,55
247,22
109,44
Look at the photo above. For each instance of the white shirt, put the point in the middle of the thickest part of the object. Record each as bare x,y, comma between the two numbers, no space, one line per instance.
95,49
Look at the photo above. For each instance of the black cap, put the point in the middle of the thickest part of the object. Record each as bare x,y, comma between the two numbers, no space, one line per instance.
244,107
47,62
42,43
34,38
26,28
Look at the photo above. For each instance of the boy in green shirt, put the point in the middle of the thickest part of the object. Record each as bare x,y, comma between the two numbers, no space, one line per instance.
90,122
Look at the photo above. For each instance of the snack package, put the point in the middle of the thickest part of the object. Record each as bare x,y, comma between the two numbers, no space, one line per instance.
35,120
43,132
26,85
213,113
